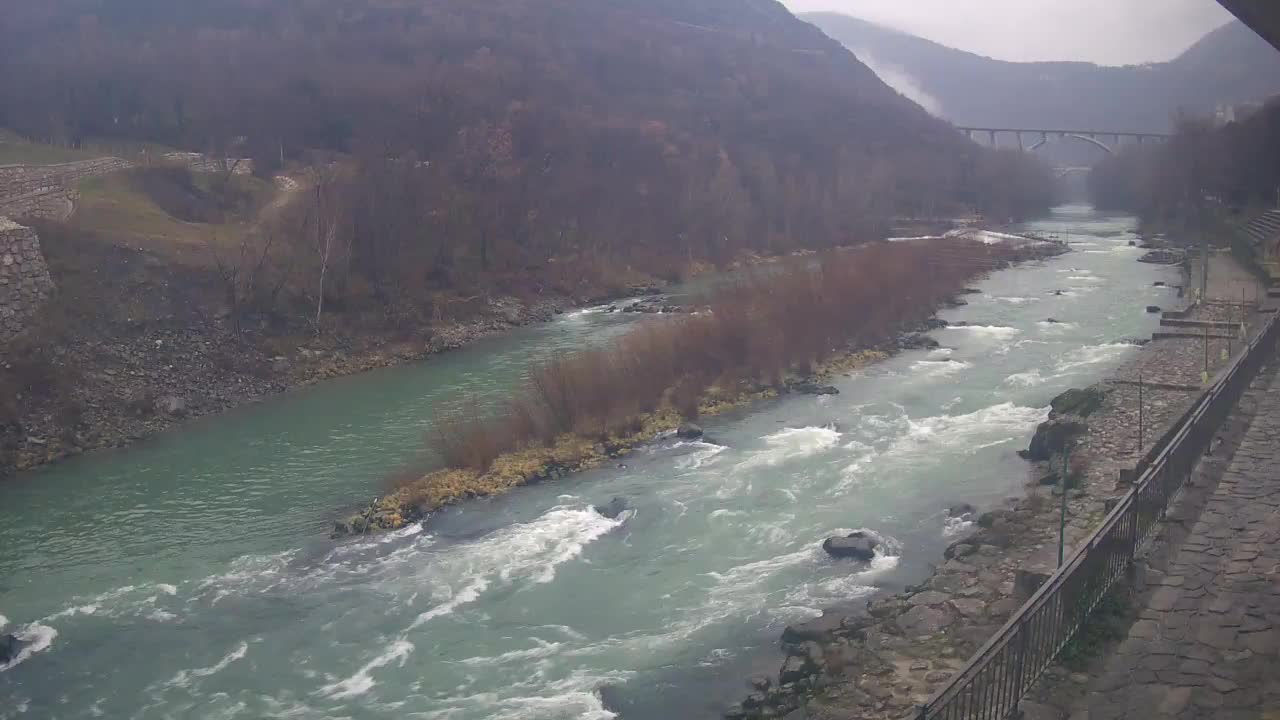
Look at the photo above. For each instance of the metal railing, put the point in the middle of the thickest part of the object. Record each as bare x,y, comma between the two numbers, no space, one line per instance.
994,680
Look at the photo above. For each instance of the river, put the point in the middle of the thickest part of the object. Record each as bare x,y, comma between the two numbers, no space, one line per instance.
190,575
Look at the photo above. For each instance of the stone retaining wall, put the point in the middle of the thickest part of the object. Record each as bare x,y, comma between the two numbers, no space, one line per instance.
48,191
24,279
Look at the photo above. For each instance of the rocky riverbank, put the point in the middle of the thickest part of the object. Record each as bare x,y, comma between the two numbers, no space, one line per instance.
108,387
886,658
575,453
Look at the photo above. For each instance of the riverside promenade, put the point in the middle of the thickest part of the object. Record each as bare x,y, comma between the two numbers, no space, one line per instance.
1206,643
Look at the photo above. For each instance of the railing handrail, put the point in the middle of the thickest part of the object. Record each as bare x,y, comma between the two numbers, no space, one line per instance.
1150,471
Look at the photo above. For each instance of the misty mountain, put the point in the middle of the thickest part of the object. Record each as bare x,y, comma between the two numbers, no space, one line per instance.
1229,65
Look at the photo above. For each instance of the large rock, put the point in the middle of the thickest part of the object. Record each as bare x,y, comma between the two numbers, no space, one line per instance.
822,629
10,646
614,508
917,341
1076,401
856,545
812,388
960,510
172,405
1052,436
689,431
924,620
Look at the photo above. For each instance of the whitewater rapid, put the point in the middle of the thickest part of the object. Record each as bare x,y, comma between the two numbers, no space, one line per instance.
193,577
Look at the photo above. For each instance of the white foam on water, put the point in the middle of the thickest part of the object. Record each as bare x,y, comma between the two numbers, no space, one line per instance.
468,594
938,368
1015,300
942,352
575,696
37,638
1031,378
362,681
3,621
1056,328
1085,278
717,657
954,526
459,575
752,572
72,611
184,677
1094,354
724,512
967,433
814,596
792,444
703,454
544,649
246,575
998,332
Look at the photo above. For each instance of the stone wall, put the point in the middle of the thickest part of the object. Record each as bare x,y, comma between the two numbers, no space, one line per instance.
201,163
24,279
48,191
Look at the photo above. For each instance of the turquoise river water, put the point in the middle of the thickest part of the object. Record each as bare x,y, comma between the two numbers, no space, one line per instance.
190,576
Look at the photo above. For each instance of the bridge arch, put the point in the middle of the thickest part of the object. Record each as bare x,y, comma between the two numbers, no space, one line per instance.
1045,139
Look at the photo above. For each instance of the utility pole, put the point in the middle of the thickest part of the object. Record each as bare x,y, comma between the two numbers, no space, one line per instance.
1062,520
1140,412
1204,250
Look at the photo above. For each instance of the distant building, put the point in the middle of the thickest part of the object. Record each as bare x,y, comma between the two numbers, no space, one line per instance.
1237,112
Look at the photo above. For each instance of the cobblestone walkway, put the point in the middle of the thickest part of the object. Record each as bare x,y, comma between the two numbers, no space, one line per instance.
1207,645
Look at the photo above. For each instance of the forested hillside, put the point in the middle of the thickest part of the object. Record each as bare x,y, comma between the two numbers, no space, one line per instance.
1227,170
1229,65
515,134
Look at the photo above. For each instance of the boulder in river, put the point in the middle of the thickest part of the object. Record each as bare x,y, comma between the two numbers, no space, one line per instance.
688,431
10,646
1154,309
614,508
1053,321
1078,401
820,629
960,510
857,545
812,388
1052,436
917,341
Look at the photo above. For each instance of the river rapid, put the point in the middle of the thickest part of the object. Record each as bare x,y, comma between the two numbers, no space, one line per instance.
190,576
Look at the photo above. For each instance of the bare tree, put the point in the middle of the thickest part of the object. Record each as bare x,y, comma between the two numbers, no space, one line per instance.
242,275
325,221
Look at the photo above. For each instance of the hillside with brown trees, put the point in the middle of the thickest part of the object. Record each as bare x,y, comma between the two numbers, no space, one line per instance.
1204,172
506,142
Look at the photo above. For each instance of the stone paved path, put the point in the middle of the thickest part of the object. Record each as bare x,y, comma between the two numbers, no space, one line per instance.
1207,645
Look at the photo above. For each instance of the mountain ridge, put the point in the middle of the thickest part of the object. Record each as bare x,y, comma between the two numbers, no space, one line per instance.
1229,65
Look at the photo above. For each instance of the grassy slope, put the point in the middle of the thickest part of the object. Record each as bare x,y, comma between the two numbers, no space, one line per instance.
16,150
117,210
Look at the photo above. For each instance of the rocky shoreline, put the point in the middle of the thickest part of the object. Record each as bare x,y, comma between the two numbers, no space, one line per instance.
886,659
151,380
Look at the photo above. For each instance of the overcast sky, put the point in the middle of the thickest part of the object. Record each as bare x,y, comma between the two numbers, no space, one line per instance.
1111,32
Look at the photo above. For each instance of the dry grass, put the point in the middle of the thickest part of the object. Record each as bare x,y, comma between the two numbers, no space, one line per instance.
754,334
120,209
